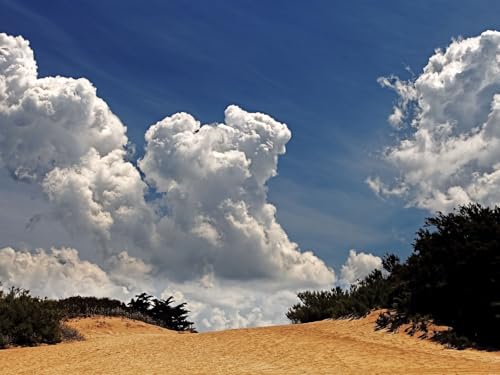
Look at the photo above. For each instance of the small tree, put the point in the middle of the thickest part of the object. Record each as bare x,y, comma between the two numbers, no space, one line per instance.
162,311
142,303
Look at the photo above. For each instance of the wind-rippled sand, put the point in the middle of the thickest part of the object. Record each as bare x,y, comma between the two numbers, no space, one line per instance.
120,346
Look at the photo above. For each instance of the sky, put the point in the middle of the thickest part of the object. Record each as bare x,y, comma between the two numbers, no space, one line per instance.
382,130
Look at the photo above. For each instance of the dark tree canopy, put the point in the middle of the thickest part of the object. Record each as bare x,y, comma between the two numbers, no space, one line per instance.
162,311
453,273
452,276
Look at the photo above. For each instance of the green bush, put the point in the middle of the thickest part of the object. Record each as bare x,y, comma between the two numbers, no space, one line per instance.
370,293
27,320
452,277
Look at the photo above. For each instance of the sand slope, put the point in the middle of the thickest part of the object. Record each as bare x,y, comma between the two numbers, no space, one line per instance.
120,346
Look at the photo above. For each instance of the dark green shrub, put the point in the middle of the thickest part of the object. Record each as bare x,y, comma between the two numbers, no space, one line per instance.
453,274
316,305
27,320
77,306
372,292
453,340
452,278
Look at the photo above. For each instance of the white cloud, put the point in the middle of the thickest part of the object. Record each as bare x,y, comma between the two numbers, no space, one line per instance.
234,305
56,274
213,303
51,121
358,266
449,153
222,304
213,182
103,195
210,231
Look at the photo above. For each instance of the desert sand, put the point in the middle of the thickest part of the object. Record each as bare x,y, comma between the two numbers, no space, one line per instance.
121,346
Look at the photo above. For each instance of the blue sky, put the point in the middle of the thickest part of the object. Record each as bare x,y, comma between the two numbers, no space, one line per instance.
314,67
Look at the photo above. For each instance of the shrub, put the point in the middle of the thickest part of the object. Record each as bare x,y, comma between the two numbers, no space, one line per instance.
77,306
27,320
451,339
453,274
370,293
69,333
451,277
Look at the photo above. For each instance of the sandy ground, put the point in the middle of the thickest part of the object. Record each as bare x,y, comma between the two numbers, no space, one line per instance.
120,346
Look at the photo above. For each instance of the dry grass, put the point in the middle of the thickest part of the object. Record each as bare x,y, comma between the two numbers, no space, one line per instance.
120,346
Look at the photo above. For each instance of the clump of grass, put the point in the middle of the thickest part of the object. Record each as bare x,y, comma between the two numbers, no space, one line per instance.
70,334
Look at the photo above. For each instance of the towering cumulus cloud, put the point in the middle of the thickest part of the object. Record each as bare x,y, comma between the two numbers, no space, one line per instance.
213,180
449,153
208,226
47,122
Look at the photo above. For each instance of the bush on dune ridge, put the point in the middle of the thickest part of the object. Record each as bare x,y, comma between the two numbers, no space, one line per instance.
27,321
452,277
144,307
356,302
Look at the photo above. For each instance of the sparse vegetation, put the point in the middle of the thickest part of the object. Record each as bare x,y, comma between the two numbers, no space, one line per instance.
82,307
69,333
370,293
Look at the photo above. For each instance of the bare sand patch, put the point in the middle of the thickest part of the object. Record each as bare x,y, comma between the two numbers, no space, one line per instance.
121,346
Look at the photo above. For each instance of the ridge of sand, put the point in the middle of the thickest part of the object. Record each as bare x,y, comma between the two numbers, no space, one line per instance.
122,346
100,326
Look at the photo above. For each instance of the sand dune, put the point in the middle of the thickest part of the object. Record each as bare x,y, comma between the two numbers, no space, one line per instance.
121,346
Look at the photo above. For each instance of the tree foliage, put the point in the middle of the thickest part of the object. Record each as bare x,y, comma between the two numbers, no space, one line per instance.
370,293
162,311
451,277
453,273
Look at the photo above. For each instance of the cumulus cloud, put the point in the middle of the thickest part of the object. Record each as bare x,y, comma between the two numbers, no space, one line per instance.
209,224
213,182
449,118
218,304
58,273
50,121
223,304
230,305
103,195
358,266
